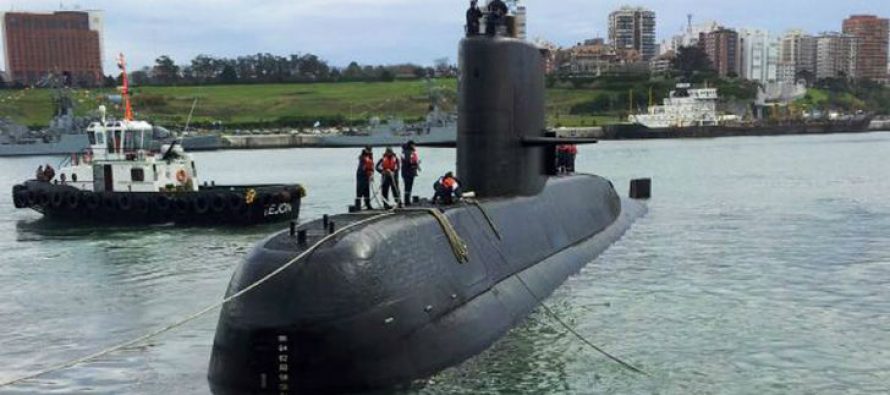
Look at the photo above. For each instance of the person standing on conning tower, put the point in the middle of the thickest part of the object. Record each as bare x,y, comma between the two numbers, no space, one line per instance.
474,14
497,12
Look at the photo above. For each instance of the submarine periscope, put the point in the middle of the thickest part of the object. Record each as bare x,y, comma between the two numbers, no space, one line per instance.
372,299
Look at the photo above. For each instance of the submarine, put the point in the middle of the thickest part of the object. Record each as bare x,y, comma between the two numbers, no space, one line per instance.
373,300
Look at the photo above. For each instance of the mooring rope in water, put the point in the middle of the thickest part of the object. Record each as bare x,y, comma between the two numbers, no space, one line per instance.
571,330
198,314
552,313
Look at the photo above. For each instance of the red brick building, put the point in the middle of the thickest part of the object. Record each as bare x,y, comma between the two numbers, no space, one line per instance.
722,47
65,43
874,39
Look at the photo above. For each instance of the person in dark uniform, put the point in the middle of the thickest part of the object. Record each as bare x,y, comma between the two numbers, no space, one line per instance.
410,168
388,167
497,12
363,176
561,159
474,14
49,173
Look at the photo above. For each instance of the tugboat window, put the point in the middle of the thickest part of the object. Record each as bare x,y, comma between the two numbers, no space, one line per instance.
137,174
92,137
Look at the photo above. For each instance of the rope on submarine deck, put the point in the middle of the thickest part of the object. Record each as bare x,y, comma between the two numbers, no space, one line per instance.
458,245
198,314
487,217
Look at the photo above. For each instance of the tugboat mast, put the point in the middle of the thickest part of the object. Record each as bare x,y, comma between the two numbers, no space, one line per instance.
125,89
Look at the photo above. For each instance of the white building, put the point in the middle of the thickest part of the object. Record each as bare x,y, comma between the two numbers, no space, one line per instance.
759,55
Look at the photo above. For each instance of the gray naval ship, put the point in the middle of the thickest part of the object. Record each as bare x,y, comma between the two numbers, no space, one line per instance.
66,134
438,129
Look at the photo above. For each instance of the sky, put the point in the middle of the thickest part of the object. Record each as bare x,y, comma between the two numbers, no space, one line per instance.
399,31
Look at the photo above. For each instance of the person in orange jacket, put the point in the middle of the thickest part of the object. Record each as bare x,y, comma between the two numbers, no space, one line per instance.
388,167
447,189
363,176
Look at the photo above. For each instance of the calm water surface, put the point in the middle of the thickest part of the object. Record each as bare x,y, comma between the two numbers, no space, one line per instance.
762,267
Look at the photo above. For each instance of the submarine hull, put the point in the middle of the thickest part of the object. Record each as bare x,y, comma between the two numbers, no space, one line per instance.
372,310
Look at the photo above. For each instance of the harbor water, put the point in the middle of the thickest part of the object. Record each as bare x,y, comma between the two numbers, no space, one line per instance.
762,267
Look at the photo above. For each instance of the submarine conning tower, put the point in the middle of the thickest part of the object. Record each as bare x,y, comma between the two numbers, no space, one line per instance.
501,110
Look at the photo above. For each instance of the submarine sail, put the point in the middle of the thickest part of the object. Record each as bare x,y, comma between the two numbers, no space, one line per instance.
389,298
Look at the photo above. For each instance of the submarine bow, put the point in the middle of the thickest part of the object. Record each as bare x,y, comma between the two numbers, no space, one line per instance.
388,301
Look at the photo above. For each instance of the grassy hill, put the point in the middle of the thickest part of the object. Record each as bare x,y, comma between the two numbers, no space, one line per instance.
248,106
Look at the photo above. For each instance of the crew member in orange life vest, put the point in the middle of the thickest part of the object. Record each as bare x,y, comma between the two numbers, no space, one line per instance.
388,167
363,176
410,168
447,188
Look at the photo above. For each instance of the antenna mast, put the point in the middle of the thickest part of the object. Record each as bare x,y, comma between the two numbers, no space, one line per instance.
125,89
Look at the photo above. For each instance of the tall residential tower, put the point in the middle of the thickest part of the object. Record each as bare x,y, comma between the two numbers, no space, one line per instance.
633,29
874,36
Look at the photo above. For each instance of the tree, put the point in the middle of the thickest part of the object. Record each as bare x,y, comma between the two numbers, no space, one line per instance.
228,75
387,75
165,72
205,68
807,76
353,72
691,60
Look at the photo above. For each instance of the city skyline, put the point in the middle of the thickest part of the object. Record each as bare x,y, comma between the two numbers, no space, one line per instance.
401,30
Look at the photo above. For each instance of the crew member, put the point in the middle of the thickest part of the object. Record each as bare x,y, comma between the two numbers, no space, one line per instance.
410,168
447,189
474,14
497,11
388,167
48,173
363,176
561,158
39,175
571,153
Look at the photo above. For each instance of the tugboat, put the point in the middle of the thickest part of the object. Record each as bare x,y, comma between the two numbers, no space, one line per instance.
119,180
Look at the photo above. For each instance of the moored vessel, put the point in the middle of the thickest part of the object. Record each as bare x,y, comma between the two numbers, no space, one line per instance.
120,179
692,113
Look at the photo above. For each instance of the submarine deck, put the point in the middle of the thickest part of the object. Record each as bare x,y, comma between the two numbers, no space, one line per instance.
318,229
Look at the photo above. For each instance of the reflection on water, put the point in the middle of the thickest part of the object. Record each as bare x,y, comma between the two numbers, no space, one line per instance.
761,268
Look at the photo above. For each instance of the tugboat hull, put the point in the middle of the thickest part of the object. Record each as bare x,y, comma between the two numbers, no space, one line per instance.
218,205
390,302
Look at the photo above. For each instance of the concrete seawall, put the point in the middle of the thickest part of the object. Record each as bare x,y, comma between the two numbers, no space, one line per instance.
883,124
271,141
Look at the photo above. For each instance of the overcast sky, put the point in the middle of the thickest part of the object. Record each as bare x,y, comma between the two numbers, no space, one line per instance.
395,31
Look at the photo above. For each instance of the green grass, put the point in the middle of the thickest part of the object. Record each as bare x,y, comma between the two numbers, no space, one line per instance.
256,105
